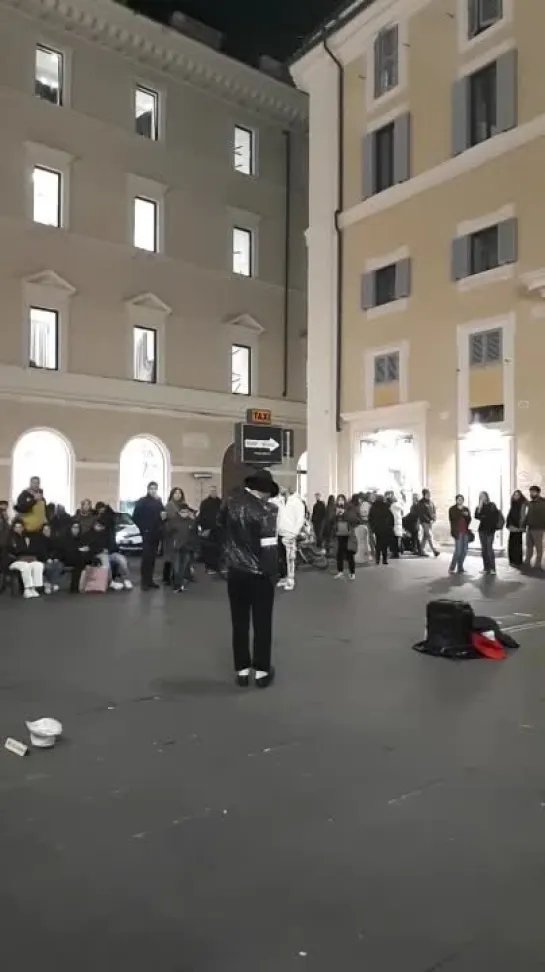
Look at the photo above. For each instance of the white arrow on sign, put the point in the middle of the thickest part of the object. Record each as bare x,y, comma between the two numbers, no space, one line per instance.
271,445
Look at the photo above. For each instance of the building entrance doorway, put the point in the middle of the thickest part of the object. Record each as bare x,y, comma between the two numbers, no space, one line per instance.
387,460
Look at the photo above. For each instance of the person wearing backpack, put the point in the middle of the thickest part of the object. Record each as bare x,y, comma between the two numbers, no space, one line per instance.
490,520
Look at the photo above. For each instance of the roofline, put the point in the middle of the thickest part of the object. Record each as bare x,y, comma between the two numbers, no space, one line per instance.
344,14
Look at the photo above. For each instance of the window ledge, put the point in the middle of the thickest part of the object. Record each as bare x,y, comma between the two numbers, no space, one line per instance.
497,275
394,307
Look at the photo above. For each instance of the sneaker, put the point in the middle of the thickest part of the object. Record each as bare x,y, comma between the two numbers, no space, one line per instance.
55,588
436,553
116,586
282,582
47,588
289,586
265,680
30,592
179,590
352,577
339,575
127,584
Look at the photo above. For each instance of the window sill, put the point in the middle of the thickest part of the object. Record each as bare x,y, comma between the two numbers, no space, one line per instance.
394,307
477,280
469,44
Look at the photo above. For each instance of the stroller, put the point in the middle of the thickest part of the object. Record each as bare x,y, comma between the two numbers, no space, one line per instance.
308,553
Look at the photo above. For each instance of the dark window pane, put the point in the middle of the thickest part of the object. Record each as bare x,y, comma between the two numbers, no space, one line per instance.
384,157
482,104
385,284
484,250
386,368
487,414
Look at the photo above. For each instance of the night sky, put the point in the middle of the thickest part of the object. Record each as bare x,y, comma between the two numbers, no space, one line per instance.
251,27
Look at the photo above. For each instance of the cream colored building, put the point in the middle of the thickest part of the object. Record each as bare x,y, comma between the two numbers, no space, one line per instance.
426,246
153,201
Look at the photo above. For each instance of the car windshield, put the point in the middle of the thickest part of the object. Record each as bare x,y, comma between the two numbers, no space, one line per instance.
123,519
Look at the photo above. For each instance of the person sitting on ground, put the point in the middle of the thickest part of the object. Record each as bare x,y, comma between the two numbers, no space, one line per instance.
85,516
75,553
105,550
45,546
31,507
22,558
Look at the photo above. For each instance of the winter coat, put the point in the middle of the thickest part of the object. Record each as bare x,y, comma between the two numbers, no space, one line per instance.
180,531
85,520
147,516
22,546
248,524
459,518
291,517
319,514
346,523
535,515
488,516
397,514
208,513
516,518
31,511
381,518
426,511
5,532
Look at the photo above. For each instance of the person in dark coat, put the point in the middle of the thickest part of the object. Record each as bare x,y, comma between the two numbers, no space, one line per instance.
515,523
74,551
248,522
318,518
149,514
208,523
5,530
381,522
459,519
488,515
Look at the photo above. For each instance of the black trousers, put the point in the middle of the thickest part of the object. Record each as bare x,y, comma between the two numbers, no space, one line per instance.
343,553
251,597
515,549
147,562
381,547
211,551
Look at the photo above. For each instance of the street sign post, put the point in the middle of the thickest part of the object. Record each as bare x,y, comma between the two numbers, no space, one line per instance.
259,444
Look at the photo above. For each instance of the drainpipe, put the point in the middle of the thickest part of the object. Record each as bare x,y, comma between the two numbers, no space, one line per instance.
340,240
287,261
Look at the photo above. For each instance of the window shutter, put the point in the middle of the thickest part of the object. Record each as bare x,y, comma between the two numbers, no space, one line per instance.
402,148
368,163
460,116
507,91
380,369
368,290
492,346
403,279
460,257
392,367
476,349
472,17
507,242
378,65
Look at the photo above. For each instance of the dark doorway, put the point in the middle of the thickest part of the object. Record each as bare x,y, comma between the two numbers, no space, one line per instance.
233,472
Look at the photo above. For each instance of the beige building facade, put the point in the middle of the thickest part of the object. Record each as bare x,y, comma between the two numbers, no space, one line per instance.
426,249
153,201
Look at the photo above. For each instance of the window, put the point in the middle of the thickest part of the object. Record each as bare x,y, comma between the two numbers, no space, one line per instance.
145,354
482,14
241,367
387,368
244,150
48,75
483,250
145,224
385,285
44,339
47,190
242,251
487,414
386,61
482,105
146,113
485,348
387,156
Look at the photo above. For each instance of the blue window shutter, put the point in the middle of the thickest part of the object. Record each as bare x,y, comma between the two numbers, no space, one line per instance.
368,290
507,242
368,164
378,65
460,265
507,91
460,116
402,148
403,279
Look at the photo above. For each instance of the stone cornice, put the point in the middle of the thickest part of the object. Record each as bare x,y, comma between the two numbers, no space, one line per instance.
163,49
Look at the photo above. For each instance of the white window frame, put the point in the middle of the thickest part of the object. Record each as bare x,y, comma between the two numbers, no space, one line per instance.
148,189
377,104
66,54
246,331
248,348
50,292
498,274
42,156
252,132
149,312
401,349
466,43
159,101
507,324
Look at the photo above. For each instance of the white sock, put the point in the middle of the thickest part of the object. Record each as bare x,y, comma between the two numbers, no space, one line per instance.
261,674
244,672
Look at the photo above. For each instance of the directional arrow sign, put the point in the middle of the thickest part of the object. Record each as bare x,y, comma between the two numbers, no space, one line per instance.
258,444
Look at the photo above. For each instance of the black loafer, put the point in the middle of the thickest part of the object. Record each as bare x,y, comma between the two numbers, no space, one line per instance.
242,681
266,680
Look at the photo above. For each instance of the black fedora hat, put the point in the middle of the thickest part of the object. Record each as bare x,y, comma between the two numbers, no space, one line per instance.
262,481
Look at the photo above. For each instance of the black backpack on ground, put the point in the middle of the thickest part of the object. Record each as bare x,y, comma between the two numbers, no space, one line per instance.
448,629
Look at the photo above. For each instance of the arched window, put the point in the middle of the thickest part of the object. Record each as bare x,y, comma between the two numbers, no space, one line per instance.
143,460
47,454
302,476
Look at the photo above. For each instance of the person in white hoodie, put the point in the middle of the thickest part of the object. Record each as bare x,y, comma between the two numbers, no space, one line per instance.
291,519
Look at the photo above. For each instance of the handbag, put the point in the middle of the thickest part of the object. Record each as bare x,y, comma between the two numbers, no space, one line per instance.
470,536
94,580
